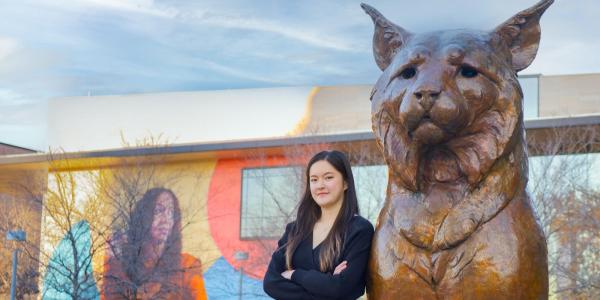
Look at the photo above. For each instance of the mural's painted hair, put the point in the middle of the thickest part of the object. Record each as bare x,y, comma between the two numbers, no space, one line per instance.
309,212
136,252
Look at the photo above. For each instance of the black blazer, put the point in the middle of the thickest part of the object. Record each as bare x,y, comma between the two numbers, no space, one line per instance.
307,281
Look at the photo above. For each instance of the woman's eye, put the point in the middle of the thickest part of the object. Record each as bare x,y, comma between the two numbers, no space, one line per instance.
468,72
408,73
329,177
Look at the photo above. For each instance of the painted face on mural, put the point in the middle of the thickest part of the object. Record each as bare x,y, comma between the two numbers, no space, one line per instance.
163,220
327,184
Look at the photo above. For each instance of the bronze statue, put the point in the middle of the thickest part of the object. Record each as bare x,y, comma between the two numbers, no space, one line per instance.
447,114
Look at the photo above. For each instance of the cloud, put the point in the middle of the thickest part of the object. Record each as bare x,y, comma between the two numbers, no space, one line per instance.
295,33
7,47
218,19
22,123
241,73
28,136
10,98
144,7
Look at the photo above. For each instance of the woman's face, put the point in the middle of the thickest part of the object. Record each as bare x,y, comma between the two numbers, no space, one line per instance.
162,223
327,184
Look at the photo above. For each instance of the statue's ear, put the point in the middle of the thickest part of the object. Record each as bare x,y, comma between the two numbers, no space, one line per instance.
387,39
522,34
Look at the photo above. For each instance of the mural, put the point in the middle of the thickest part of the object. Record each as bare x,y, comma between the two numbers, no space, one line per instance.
154,255
146,261
223,283
56,283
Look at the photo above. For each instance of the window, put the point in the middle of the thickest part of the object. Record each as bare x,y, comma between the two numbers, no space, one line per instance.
371,184
269,199
565,190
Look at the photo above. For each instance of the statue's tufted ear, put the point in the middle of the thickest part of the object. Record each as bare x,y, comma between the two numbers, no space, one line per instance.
522,34
387,39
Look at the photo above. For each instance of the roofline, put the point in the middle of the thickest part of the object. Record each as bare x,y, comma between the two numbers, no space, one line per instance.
189,148
19,147
571,121
542,123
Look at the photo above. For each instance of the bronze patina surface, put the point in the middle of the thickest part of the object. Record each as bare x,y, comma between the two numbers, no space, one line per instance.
447,114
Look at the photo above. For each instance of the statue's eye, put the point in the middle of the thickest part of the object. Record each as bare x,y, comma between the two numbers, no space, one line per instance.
408,73
468,72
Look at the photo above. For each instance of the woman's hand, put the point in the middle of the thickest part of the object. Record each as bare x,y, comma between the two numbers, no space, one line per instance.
287,274
341,267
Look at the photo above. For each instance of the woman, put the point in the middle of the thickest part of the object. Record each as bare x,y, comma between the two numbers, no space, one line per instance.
324,253
146,262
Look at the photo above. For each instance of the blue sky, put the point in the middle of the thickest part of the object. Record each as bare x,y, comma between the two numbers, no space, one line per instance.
60,48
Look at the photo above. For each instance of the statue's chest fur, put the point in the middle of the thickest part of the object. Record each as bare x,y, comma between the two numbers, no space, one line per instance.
418,216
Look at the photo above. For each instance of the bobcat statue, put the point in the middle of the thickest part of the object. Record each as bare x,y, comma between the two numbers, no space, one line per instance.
447,115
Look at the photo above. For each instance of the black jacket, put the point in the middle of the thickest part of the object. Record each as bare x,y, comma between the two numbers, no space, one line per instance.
307,281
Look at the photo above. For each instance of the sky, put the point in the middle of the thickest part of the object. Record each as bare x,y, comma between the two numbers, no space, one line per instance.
58,48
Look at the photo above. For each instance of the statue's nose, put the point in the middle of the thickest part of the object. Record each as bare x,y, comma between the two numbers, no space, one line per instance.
426,95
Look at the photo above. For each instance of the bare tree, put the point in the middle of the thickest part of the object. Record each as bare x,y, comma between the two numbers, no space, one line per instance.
137,262
88,212
32,201
18,212
68,247
565,187
370,176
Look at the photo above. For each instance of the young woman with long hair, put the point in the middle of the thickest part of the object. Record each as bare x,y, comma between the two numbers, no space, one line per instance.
323,254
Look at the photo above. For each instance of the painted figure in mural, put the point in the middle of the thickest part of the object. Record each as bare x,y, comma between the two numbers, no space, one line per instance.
447,114
146,262
324,253
69,273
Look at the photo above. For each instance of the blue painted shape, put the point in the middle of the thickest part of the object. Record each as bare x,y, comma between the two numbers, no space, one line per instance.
56,284
222,281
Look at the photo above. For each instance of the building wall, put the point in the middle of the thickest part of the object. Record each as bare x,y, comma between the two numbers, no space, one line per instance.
569,95
339,109
208,192
104,122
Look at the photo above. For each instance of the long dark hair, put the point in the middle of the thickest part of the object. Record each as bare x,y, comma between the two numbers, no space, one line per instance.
309,213
139,240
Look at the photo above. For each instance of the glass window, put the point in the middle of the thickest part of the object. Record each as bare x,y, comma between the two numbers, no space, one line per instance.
565,190
371,184
270,197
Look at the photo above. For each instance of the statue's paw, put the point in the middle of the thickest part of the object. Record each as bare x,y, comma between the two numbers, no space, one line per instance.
419,238
463,259
456,228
